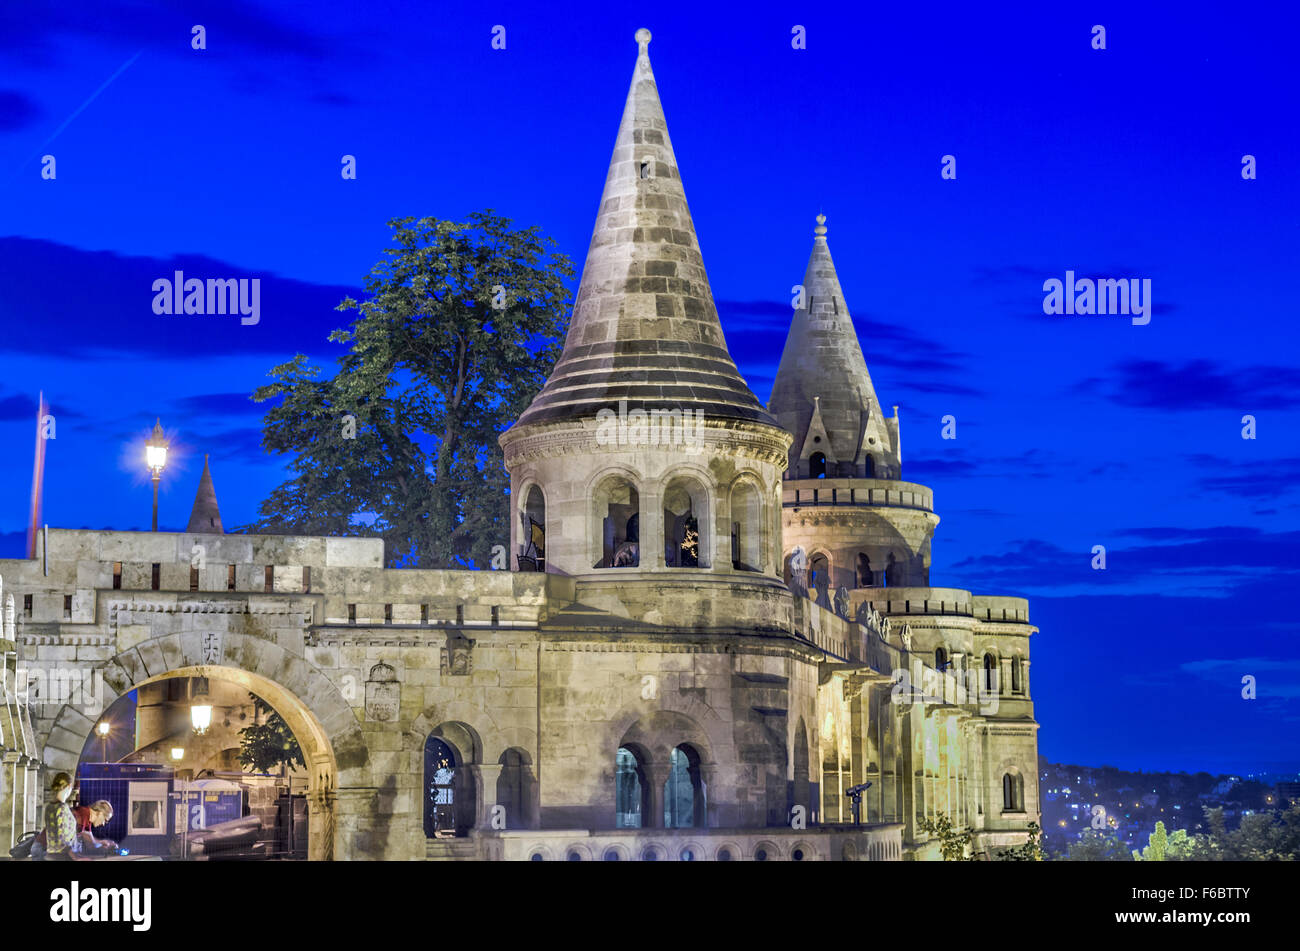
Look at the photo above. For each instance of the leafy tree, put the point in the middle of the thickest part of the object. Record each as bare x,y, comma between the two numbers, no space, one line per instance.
1031,850
1162,847
462,325
954,845
1098,846
270,744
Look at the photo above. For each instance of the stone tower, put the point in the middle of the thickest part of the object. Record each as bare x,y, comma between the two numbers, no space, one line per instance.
855,523
646,453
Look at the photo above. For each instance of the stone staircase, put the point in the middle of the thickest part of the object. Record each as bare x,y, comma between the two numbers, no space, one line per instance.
450,850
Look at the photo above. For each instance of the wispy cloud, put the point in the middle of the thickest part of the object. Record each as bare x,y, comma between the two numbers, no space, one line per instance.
1196,385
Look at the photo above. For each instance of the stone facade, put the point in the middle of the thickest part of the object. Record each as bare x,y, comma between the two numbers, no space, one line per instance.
682,621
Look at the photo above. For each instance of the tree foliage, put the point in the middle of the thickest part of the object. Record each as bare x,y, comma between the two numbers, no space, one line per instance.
954,844
1099,846
1031,850
461,326
268,745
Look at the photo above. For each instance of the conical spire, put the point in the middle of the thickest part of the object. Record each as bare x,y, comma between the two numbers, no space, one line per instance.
205,517
644,327
823,393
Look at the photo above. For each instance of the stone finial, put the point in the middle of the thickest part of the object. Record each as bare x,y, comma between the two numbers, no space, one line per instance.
820,230
643,38
206,515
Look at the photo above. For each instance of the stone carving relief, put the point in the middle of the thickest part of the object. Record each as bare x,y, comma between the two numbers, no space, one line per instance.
457,657
383,693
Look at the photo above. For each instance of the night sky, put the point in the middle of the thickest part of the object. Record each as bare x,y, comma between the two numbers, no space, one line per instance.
1072,431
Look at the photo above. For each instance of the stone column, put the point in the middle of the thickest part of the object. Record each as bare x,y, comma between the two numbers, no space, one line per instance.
10,814
651,529
708,779
487,777
656,774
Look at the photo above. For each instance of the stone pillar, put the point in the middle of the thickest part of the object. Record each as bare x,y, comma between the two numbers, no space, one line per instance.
651,531
487,776
708,779
9,801
656,774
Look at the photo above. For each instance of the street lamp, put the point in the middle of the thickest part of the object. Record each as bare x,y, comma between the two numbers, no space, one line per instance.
201,711
155,454
178,753
103,727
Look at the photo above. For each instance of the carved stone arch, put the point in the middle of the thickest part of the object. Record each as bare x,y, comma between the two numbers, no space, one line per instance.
701,487
524,508
714,730
314,708
602,487
749,522
820,590
511,738
472,724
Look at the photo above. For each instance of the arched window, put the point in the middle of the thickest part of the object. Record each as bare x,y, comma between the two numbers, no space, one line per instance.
869,468
1013,792
683,790
618,513
892,572
940,659
686,524
532,546
819,580
514,788
746,528
802,788
864,571
631,792
817,465
990,673
440,788
1015,675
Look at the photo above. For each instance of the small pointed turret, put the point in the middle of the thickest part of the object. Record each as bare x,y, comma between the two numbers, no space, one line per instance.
823,392
205,517
645,328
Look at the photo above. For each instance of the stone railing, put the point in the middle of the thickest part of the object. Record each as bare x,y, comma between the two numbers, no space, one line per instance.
879,843
848,492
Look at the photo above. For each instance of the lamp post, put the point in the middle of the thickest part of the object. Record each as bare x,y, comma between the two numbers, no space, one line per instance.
178,754
103,728
155,454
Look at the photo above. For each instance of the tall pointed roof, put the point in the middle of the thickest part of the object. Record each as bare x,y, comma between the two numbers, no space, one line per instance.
822,386
205,517
644,327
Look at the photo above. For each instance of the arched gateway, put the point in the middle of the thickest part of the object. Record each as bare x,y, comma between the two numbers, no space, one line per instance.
311,704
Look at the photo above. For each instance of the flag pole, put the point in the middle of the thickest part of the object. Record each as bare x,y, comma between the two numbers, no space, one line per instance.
38,477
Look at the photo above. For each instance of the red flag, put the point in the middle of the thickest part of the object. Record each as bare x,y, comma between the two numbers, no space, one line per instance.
38,476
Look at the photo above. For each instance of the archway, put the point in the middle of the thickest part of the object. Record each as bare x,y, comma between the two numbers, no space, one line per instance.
617,523
688,542
684,802
320,744
631,789
450,787
153,758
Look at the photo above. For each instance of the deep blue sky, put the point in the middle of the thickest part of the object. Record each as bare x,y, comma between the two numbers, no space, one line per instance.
1072,431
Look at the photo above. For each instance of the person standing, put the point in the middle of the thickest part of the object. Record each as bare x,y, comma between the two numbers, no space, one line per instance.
61,837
